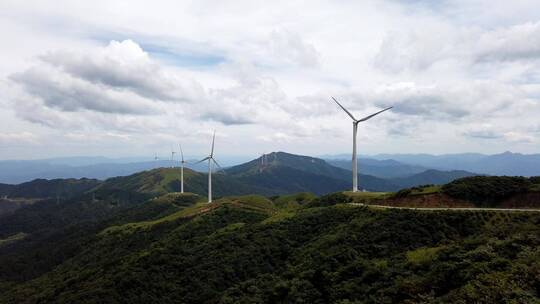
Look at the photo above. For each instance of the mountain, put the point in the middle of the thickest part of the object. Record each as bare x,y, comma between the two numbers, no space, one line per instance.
432,176
251,249
382,165
387,168
164,180
507,163
289,173
19,171
279,173
444,161
23,171
14,197
43,188
5,189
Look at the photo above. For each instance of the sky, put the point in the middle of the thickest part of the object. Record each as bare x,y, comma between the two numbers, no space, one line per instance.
136,78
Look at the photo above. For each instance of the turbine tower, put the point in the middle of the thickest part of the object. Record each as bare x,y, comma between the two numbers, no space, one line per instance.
263,162
211,161
182,162
355,129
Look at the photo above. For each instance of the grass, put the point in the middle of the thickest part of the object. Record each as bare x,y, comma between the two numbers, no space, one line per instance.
255,203
426,190
13,238
535,188
367,197
294,200
422,256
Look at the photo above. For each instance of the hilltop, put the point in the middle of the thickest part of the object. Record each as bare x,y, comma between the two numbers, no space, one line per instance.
289,173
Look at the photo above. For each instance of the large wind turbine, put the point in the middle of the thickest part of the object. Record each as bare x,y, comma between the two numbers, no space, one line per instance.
211,161
182,162
355,129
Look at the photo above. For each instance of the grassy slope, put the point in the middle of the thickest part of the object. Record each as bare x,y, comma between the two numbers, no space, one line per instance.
164,180
243,250
43,188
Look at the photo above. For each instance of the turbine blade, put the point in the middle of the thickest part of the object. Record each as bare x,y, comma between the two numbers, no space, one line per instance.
370,116
219,167
344,109
213,140
204,159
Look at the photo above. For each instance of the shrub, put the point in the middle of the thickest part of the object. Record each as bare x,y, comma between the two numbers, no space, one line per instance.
403,193
486,190
535,179
330,200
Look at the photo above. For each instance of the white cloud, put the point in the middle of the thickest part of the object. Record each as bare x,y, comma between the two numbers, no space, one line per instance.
18,138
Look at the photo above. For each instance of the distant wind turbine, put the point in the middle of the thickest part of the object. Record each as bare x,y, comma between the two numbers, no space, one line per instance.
172,157
355,129
156,158
211,161
263,159
182,162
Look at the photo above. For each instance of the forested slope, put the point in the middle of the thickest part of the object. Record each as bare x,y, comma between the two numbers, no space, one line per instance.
255,250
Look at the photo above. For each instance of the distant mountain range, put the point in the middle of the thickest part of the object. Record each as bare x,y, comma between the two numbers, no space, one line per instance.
387,168
278,173
507,163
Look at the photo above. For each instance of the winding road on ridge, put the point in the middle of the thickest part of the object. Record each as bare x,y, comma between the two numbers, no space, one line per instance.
446,209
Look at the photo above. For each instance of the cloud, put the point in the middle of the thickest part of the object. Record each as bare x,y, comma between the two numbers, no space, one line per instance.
405,50
517,42
17,138
122,79
63,92
290,48
124,65
253,99
483,134
519,137
276,137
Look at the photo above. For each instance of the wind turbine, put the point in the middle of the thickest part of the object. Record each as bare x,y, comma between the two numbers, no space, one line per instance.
355,129
211,161
156,158
172,157
263,159
182,162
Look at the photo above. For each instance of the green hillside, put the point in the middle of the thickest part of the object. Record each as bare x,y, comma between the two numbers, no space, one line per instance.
251,249
45,188
5,189
430,177
164,180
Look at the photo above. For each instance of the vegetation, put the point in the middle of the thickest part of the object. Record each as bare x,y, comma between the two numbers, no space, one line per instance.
12,238
487,191
62,188
333,253
135,247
